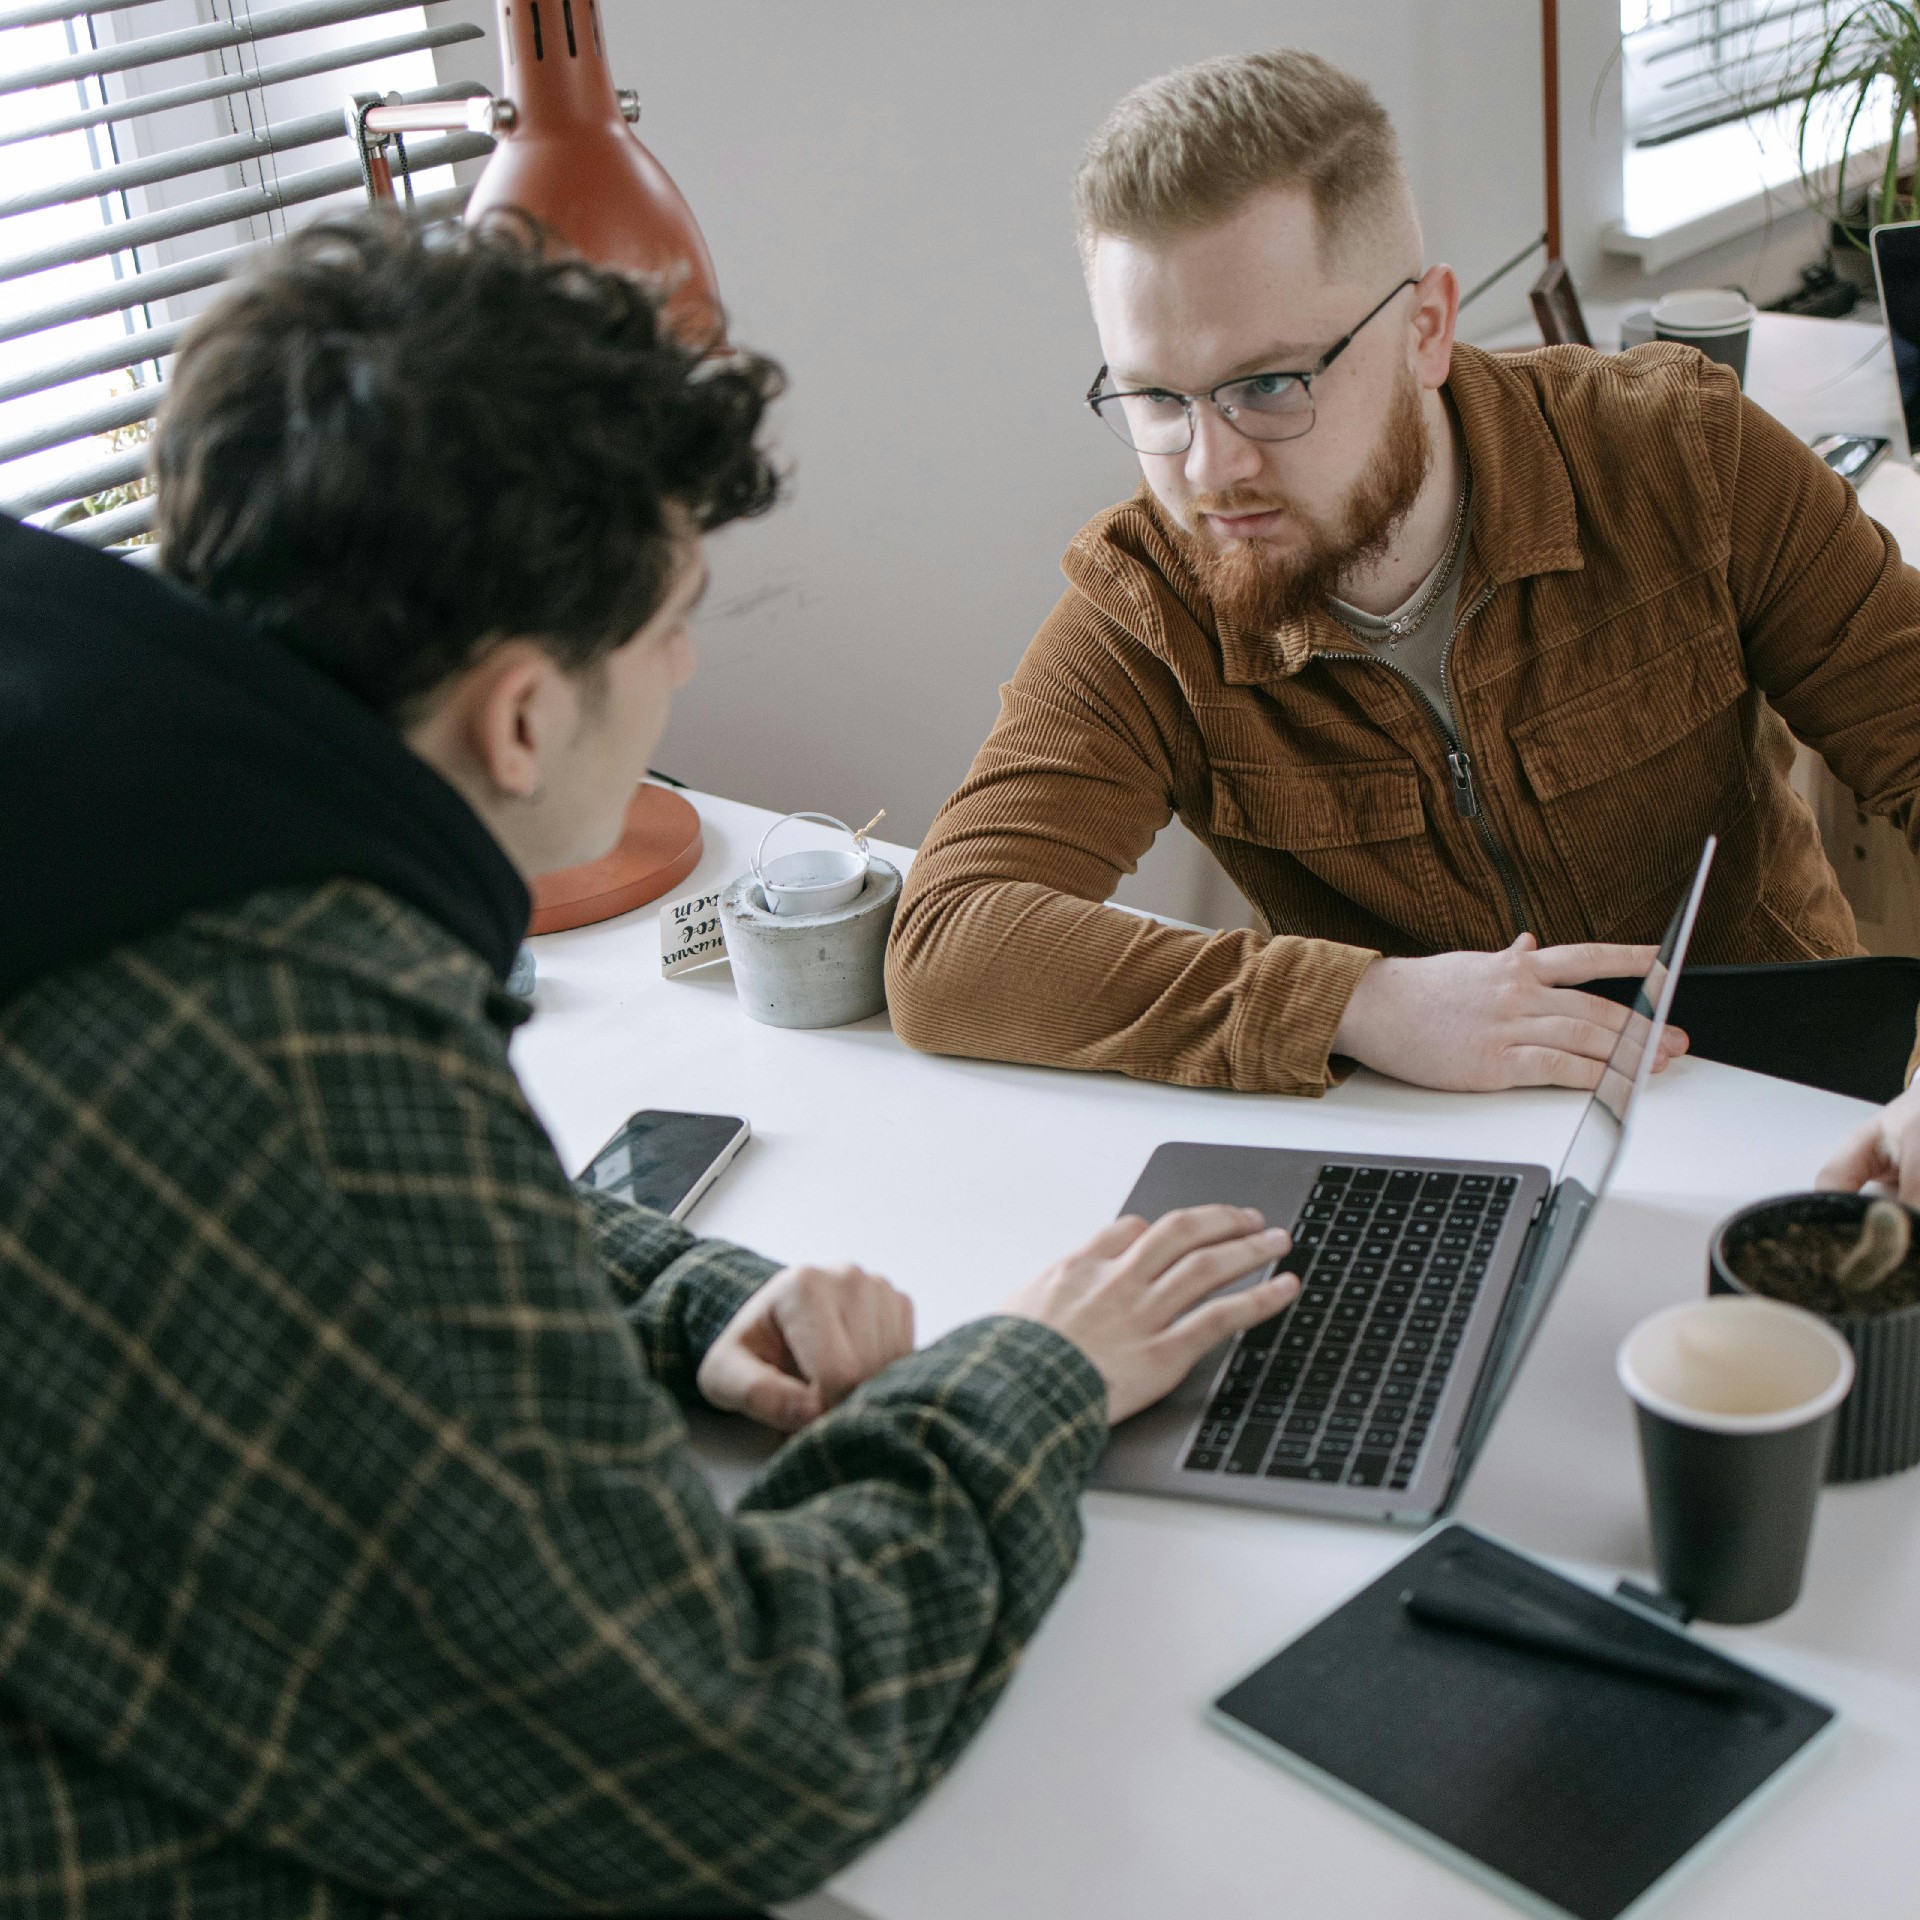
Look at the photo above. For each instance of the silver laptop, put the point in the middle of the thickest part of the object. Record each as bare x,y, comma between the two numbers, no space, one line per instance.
1422,1285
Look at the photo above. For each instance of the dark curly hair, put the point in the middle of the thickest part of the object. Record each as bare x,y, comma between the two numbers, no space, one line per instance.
389,447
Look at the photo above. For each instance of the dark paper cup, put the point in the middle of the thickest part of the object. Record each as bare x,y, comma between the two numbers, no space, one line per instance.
1878,1429
1716,320
1735,1399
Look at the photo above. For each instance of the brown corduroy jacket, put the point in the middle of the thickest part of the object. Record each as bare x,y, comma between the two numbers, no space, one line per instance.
1661,582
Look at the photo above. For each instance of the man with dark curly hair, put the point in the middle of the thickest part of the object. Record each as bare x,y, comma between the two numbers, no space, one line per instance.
352,1560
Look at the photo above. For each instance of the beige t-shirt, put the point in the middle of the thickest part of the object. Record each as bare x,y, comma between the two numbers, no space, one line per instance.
1420,653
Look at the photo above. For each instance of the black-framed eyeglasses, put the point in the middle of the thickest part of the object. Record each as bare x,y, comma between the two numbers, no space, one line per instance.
1263,406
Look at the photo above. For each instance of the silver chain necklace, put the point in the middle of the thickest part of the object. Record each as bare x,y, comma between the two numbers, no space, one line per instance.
1415,616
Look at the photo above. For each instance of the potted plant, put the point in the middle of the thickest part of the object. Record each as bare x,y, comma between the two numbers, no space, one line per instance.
1854,1261
1839,69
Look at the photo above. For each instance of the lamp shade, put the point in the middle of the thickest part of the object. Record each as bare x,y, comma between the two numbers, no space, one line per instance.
567,156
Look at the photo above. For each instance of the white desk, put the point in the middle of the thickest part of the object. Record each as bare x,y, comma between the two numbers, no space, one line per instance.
1095,1789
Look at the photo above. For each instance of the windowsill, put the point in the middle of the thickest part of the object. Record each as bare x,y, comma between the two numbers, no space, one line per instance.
1719,185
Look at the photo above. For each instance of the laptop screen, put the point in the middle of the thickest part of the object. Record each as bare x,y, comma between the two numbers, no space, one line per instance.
1589,1159
1596,1140
1896,265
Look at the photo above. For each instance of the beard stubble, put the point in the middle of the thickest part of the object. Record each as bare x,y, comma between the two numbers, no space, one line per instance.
1258,586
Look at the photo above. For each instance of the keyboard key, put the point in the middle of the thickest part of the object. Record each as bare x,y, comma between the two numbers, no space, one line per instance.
1342,1174
1250,1449
1376,1350
1359,1376
1439,1186
1407,1269
1476,1183
1506,1184
1274,1408
1368,1269
1369,1179
1379,1439
1390,1413
1203,1460
1344,1423
1303,1423
1369,1469
1326,1470
1408,1369
1287,1470
1355,1217
1393,1391
1355,1399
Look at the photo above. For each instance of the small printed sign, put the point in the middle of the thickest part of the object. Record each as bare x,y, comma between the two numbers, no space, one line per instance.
690,934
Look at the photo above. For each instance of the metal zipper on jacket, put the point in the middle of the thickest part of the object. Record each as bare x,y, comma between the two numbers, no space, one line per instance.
1466,801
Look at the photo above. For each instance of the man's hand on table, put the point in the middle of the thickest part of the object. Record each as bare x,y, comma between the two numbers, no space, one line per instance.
1136,1298
1478,1022
803,1342
1886,1149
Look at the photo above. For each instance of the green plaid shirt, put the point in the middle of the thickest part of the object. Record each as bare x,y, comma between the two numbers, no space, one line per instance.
351,1554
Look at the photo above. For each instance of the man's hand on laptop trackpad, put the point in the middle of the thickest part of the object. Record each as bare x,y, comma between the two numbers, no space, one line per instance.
1478,1022
1143,1303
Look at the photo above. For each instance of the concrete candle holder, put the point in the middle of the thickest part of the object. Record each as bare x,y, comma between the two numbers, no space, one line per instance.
811,969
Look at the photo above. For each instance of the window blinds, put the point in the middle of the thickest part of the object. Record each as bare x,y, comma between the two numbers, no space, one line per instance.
1694,64
147,147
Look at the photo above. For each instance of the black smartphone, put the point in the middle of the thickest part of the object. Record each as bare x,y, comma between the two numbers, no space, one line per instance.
1852,455
666,1161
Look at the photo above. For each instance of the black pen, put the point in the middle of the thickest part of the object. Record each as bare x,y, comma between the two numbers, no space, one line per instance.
1514,1624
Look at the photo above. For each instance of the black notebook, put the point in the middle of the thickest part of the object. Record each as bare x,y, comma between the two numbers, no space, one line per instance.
1571,1785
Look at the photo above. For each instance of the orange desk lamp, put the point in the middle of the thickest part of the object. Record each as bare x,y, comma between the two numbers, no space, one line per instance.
566,153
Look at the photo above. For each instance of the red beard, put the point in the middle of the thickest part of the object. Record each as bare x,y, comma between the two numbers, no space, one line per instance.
1255,585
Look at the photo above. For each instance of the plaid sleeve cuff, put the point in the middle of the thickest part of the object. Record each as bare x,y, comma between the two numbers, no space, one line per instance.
678,1290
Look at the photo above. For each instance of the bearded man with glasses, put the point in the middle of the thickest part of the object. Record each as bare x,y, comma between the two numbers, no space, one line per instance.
1452,660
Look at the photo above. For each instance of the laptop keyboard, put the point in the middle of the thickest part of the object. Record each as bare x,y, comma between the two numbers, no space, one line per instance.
1341,1386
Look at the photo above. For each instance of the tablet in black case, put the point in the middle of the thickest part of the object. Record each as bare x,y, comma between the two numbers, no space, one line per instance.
1570,1788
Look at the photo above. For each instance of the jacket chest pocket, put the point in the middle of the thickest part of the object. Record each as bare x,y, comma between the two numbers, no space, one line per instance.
1356,825
1632,776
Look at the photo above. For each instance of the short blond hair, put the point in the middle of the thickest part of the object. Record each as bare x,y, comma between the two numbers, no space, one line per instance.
1190,148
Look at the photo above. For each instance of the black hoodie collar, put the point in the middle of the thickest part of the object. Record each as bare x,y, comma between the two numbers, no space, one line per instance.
156,758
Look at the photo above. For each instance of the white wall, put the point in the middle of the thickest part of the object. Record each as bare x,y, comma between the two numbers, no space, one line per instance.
885,190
